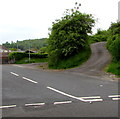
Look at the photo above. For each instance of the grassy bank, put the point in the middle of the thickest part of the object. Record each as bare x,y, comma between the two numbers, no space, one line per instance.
32,60
73,61
114,68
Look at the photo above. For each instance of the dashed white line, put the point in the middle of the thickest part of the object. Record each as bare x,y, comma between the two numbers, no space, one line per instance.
65,102
10,106
115,98
112,96
14,73
29,80
35,104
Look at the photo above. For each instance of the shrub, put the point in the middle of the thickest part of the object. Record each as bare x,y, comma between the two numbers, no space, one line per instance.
19,55
114,47
69,35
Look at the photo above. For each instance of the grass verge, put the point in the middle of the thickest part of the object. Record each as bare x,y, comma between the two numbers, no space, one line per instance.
33,60
114,68
73,61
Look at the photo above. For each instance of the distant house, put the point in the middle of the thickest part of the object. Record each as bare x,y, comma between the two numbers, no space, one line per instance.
4,54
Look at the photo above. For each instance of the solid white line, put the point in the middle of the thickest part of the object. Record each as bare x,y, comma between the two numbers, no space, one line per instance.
90,97
68,95
14,73
1,107
29,80
94,100
65,102
115,98
35,104
112,96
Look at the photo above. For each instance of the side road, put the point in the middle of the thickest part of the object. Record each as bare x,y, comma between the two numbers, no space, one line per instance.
99,59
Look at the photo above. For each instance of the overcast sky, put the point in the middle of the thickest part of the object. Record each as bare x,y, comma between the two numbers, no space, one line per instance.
29,19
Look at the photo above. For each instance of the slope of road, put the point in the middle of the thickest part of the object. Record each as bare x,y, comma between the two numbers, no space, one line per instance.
98,61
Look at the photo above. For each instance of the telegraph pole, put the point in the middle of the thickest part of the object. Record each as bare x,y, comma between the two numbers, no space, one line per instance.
119,11
29,50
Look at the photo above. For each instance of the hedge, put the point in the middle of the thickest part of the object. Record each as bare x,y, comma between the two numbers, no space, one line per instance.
20,55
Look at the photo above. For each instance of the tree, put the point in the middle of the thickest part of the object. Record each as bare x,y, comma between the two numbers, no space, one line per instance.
69,35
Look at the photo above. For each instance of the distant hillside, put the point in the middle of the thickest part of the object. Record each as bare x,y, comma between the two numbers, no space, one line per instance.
35,44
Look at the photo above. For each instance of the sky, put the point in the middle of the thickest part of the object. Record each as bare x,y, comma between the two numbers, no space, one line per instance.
30,19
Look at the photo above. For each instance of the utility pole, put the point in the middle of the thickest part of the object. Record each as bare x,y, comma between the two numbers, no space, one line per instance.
29,50
17,45
119,11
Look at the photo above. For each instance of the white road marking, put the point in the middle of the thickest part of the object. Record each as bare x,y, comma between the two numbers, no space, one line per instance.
93,100
29,80
90,97
115,98
18,66
35,104
68,95
65,102
112,96
71,96
10,106
14,73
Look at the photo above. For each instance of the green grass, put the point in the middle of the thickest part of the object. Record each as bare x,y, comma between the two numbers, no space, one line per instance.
114,68
73,61
32,60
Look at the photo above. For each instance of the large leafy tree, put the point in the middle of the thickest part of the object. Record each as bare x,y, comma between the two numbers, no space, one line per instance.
69,35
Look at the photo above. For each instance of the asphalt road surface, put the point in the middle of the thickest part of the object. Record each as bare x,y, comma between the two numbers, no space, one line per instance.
30,92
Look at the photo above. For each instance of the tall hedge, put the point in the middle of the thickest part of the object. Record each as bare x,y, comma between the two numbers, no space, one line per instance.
113,42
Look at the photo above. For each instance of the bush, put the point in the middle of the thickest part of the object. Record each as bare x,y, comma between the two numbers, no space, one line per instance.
74,60
113,45
100,36
19,55
69,36
16,55
114,67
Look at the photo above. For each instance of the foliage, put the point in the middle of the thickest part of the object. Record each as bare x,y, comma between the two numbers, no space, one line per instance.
16,55
13,49
114,67
43,50
73,61
115,28
34,44
69,35
33,60
100,36
113,45
20,55
113,42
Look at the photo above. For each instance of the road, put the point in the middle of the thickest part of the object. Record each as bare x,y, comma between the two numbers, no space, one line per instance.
29,92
